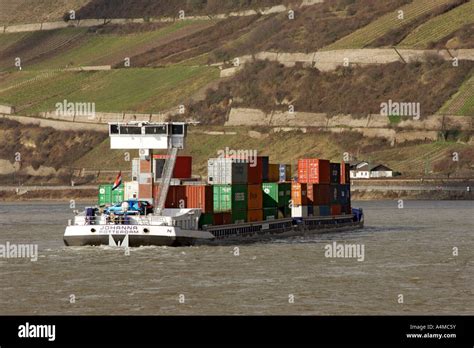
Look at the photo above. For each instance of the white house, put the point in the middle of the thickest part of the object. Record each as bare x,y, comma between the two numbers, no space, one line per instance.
364,170
360,170
381,171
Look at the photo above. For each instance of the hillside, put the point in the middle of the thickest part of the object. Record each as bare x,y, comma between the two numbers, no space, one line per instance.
390,29
271,86
191,62
27,11
314,27
68,152
150,8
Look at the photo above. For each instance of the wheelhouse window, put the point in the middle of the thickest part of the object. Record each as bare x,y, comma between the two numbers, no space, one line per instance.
130,130
177,129
114,129
155,129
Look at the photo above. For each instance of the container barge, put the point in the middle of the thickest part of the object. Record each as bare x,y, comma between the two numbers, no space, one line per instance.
243,199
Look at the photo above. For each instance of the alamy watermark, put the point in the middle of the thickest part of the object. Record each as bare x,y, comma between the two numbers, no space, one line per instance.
342,250
407,109
66,108
244,156
17,251
37,331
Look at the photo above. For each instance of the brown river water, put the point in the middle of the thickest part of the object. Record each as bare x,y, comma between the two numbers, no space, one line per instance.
407,252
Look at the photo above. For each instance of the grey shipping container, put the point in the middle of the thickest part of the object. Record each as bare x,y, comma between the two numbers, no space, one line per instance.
226,171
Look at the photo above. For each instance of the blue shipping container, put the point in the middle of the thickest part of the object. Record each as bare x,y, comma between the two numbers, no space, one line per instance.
324,210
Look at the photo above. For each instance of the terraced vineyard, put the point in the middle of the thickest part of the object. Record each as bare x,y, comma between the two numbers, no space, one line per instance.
364,36
72,47
440,27
35,46
462,103
111,49
139,90
414,159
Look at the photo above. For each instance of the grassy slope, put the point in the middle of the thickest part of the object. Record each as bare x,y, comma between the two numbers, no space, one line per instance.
440,27
140,90
364,36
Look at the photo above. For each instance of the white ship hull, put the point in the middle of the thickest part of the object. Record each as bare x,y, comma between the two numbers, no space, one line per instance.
138,235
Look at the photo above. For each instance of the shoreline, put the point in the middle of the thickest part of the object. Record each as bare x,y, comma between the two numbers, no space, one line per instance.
358,194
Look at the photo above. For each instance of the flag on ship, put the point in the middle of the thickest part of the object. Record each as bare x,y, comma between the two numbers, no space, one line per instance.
118,181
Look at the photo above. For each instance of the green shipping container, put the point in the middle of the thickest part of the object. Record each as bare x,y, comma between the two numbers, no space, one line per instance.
284,212
206,219
109,197
239,216
229,198
276,194
270,213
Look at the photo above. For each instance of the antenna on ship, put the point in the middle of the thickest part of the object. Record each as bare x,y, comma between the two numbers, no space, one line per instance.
146,137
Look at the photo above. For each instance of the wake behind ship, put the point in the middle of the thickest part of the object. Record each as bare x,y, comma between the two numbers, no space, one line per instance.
244,199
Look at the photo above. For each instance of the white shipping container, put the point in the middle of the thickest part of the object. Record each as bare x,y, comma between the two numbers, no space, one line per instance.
131,189
226,171
299,211
135,169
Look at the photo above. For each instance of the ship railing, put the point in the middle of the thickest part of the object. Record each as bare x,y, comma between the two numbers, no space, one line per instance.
81,220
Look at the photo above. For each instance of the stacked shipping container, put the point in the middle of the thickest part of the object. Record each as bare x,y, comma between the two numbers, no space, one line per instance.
322,189
241,190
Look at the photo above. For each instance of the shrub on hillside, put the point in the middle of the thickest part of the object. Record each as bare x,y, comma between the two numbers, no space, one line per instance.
358,91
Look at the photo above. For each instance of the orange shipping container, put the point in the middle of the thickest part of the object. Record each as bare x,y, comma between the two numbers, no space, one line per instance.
345,173
336,209
313,170
255,215
199,197
299,194
255,197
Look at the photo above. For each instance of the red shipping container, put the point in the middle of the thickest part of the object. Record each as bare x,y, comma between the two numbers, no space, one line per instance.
176,197
313,170
254,197
345,173
336,209
255,215
182,167
299,194
322,194
200,197
222,218
255,171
